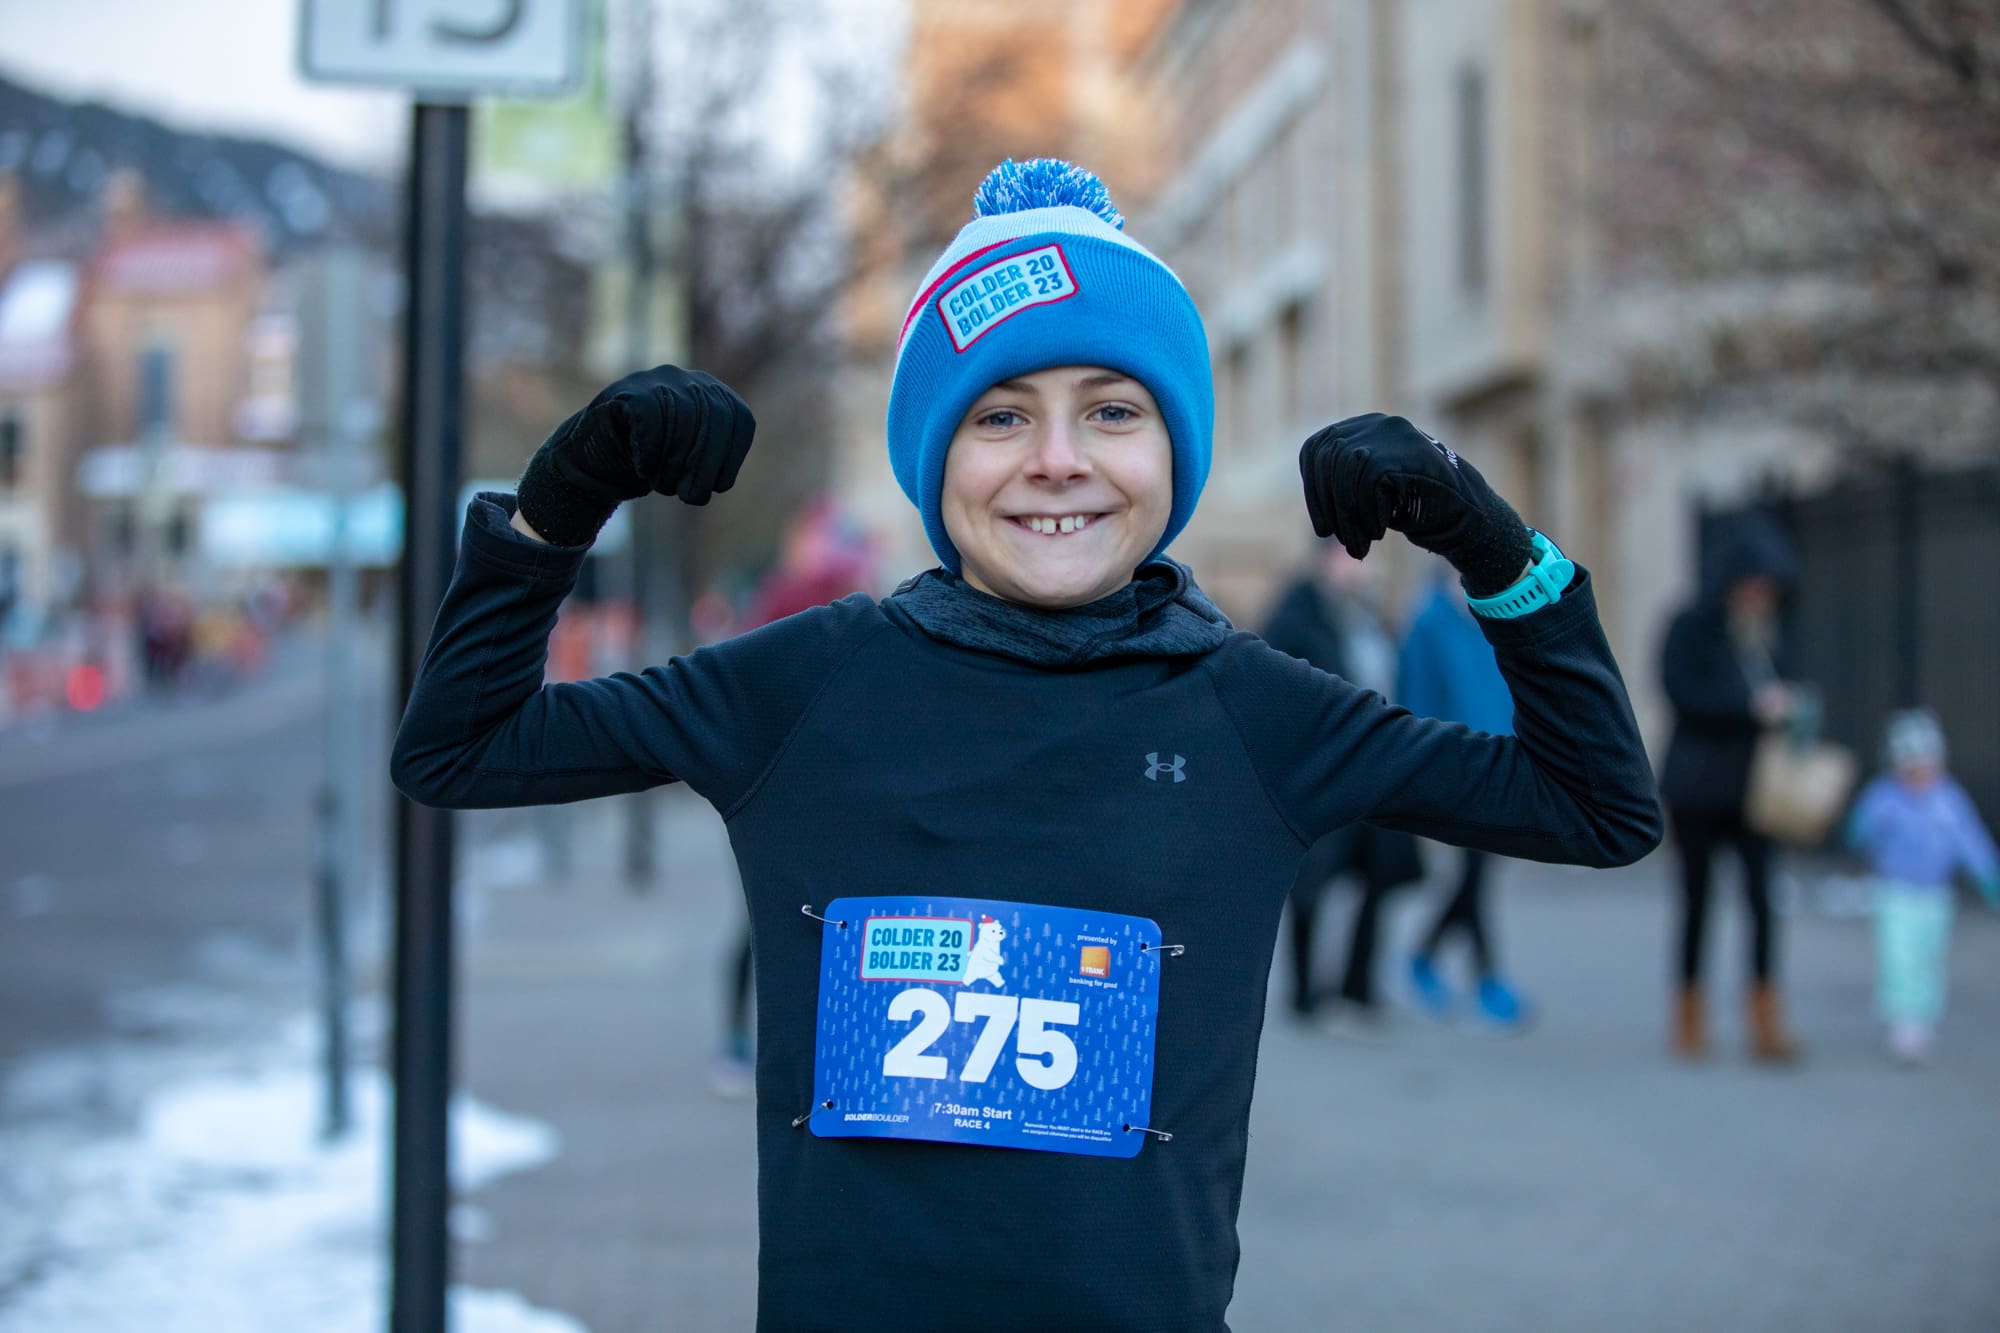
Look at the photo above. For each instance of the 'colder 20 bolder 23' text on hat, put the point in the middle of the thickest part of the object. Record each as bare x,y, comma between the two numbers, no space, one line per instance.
1043,276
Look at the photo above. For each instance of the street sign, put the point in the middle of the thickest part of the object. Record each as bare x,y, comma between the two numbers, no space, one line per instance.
445,50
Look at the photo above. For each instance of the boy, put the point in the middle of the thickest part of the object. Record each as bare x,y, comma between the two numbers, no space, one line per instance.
1043,804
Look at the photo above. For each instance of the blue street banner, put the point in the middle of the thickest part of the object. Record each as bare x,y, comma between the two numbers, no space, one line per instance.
976,1020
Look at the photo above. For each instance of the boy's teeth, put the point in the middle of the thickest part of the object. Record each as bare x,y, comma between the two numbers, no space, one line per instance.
1068,523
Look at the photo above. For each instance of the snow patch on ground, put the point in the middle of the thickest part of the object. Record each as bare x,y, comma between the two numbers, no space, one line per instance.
223,1210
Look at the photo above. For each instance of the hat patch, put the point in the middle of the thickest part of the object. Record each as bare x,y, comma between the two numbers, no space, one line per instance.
978,302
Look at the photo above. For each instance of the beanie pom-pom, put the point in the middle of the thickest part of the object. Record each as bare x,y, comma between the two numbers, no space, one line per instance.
1043,182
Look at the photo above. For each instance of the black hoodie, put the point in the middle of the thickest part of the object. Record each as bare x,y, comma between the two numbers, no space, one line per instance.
1707,770
944,738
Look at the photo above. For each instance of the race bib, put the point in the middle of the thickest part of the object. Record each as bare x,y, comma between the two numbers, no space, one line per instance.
970,1020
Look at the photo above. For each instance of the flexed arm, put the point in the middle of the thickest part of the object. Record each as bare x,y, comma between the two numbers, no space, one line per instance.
480,729
1572,785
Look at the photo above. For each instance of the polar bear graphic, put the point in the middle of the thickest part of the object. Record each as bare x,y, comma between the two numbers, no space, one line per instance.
985,960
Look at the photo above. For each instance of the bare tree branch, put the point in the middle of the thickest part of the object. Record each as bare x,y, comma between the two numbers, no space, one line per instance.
1958,54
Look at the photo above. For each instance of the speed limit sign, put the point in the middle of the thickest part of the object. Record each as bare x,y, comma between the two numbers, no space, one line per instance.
442,48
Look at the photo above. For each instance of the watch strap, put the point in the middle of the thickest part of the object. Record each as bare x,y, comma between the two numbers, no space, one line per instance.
1541,586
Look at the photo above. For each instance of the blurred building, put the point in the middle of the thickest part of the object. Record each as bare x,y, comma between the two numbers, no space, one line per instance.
38,410
1278,215
1371,212
165,343
142,369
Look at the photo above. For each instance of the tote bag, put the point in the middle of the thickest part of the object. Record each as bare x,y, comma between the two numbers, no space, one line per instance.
1799,784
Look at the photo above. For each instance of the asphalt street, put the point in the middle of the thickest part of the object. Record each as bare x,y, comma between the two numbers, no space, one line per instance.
166,842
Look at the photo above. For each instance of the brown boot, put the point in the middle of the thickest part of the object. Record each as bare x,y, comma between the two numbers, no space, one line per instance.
1769,1042
1690,1036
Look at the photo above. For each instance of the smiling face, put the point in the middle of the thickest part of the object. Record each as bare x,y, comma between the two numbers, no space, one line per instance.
1057,485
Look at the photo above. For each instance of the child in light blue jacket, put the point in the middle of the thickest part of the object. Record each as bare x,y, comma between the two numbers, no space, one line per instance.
1917,827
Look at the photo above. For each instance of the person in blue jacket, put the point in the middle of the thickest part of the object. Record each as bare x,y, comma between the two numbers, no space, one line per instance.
1015,840
1447,669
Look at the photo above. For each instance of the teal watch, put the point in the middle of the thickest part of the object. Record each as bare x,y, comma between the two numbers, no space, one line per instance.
1542,585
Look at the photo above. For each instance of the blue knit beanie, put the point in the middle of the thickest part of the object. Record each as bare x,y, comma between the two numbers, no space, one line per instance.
1043,276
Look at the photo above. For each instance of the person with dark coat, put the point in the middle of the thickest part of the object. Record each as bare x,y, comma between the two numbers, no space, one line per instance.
1042,805
1446,669
1722,666
1324,617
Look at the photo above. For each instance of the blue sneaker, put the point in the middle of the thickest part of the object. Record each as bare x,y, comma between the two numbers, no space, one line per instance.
1501,1006
1433,996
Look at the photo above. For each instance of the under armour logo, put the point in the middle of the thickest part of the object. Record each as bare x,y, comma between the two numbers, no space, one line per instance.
1154,767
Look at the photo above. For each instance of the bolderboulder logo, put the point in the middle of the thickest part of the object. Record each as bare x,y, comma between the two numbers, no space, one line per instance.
984,298
1096,961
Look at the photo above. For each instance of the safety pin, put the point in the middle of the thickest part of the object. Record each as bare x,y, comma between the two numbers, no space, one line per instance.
807,908
1159,1134
826,1105
1170,950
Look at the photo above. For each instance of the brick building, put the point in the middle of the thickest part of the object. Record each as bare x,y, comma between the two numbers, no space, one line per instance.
124,373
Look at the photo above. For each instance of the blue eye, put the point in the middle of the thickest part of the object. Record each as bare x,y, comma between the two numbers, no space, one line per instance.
1115,413
993,418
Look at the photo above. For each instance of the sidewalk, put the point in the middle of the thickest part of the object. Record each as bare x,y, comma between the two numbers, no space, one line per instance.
1570,1179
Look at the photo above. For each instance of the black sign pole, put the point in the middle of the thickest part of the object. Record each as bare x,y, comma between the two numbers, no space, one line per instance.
433,393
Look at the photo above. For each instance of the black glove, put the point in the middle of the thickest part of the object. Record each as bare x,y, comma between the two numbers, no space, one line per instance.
1371,473
678,432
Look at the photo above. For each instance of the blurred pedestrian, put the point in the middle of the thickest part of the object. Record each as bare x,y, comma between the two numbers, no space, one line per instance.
1328,617
1917,828
824,557
1043,791
1447,670
166,631
1722,666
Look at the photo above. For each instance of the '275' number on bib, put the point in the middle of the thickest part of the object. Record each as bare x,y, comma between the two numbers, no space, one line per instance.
1037,1037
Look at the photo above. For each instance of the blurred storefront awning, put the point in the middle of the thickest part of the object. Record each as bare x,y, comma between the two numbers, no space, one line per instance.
289,527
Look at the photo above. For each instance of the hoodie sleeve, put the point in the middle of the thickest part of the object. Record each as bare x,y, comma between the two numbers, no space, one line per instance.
481,729
1572,785
1976,853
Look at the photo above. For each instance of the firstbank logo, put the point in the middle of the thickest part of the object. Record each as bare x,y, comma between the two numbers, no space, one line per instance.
1154,767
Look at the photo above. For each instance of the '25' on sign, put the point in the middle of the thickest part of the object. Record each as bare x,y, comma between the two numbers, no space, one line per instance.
1035,1039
